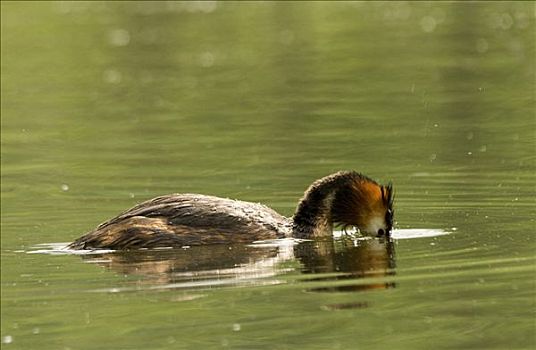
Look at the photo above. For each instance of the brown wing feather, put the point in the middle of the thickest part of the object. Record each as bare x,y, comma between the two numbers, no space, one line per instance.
186,219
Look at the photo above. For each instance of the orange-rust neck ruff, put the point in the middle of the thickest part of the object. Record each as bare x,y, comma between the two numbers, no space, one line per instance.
346,198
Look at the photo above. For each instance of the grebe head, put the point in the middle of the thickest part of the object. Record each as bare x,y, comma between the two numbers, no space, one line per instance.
365,204
346,198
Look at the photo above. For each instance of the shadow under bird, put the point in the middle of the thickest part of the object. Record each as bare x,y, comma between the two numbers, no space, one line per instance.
346,198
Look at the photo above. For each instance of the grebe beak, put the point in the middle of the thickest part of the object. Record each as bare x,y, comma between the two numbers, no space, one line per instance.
384,233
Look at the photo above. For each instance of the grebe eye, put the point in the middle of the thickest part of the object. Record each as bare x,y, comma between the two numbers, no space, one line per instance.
381,232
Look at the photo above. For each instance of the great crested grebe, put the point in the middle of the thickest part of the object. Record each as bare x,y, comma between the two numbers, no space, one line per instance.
346,198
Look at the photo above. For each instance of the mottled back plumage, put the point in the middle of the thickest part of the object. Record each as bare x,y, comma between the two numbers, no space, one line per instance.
187,219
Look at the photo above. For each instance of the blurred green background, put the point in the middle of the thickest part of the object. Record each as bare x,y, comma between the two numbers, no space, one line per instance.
106,104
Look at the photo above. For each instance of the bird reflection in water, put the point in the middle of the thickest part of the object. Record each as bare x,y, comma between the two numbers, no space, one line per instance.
363,263
352,260
360,265
195,267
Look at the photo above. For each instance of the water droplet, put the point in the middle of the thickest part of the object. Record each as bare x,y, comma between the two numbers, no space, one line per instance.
112,76
506,21
522,20
119,37
428,24
7,339
36,330
65,187
236,327
206,59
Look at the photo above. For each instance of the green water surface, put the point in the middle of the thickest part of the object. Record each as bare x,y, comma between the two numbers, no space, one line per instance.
106,104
